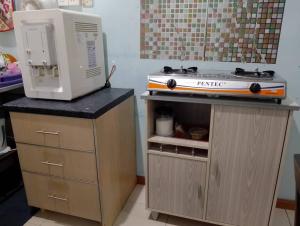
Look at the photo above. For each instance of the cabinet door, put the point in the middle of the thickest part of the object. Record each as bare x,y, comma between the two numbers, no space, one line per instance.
246,152
176,186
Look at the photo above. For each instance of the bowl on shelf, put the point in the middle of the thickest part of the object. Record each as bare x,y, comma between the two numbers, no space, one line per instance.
198,133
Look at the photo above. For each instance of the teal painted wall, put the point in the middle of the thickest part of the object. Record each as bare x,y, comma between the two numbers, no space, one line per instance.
8,42
121,25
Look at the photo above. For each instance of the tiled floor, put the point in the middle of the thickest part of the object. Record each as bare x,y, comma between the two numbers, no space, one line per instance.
135,214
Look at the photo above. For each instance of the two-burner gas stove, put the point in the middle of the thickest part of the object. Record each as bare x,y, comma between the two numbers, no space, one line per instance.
240,83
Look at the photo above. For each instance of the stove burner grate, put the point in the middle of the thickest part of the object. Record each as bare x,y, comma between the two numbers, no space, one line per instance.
239,72
182,71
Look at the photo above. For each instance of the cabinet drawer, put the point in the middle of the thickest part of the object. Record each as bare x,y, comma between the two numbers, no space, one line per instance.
176,185
58,162
68,197
53,131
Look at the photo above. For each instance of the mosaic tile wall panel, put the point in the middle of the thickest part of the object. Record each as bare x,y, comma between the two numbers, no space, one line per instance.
269,21
212,30
231,28
173,29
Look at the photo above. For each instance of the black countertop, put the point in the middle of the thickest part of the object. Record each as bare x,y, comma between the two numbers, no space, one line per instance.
90,106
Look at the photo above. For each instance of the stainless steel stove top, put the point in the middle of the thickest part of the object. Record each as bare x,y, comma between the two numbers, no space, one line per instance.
238,82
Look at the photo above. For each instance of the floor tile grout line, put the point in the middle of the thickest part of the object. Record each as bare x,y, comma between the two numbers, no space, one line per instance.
287,215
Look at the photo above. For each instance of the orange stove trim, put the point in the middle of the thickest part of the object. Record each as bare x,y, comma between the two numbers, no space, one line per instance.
276,92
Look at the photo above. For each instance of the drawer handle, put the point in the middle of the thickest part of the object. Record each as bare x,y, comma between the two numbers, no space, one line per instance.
218,175
58,198
47,132
53,164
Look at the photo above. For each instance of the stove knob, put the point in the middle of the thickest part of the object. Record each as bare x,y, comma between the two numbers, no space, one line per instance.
255,88
171,83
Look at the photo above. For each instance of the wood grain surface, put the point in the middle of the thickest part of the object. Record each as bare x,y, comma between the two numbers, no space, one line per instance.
63,196
53,131
176,185
246,153
68,164
116,151
179,142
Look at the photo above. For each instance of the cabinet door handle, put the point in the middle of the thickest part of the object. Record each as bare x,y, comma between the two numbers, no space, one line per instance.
48,132
53,164
57,198
199,192
218,174
200,195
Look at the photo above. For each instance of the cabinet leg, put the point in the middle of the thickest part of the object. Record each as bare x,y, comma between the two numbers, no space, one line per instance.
154,215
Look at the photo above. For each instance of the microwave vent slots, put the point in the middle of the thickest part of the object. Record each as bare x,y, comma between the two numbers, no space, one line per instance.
86,27
93,72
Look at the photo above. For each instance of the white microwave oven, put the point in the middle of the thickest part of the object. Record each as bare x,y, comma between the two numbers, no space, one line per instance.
60,52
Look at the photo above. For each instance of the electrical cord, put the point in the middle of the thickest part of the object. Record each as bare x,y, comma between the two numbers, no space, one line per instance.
112,71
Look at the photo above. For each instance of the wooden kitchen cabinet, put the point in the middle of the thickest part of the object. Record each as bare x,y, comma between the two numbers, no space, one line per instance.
78,159
246,151
230,178
170,187
177,167
64,196
69,164
61,132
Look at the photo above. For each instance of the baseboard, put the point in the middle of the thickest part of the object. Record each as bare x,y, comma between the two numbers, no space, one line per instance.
281,203
140,180
286,204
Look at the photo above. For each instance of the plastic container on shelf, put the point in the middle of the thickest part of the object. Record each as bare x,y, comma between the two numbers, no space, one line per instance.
164,122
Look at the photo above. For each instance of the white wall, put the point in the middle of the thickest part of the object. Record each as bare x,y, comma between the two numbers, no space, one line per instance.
121,23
